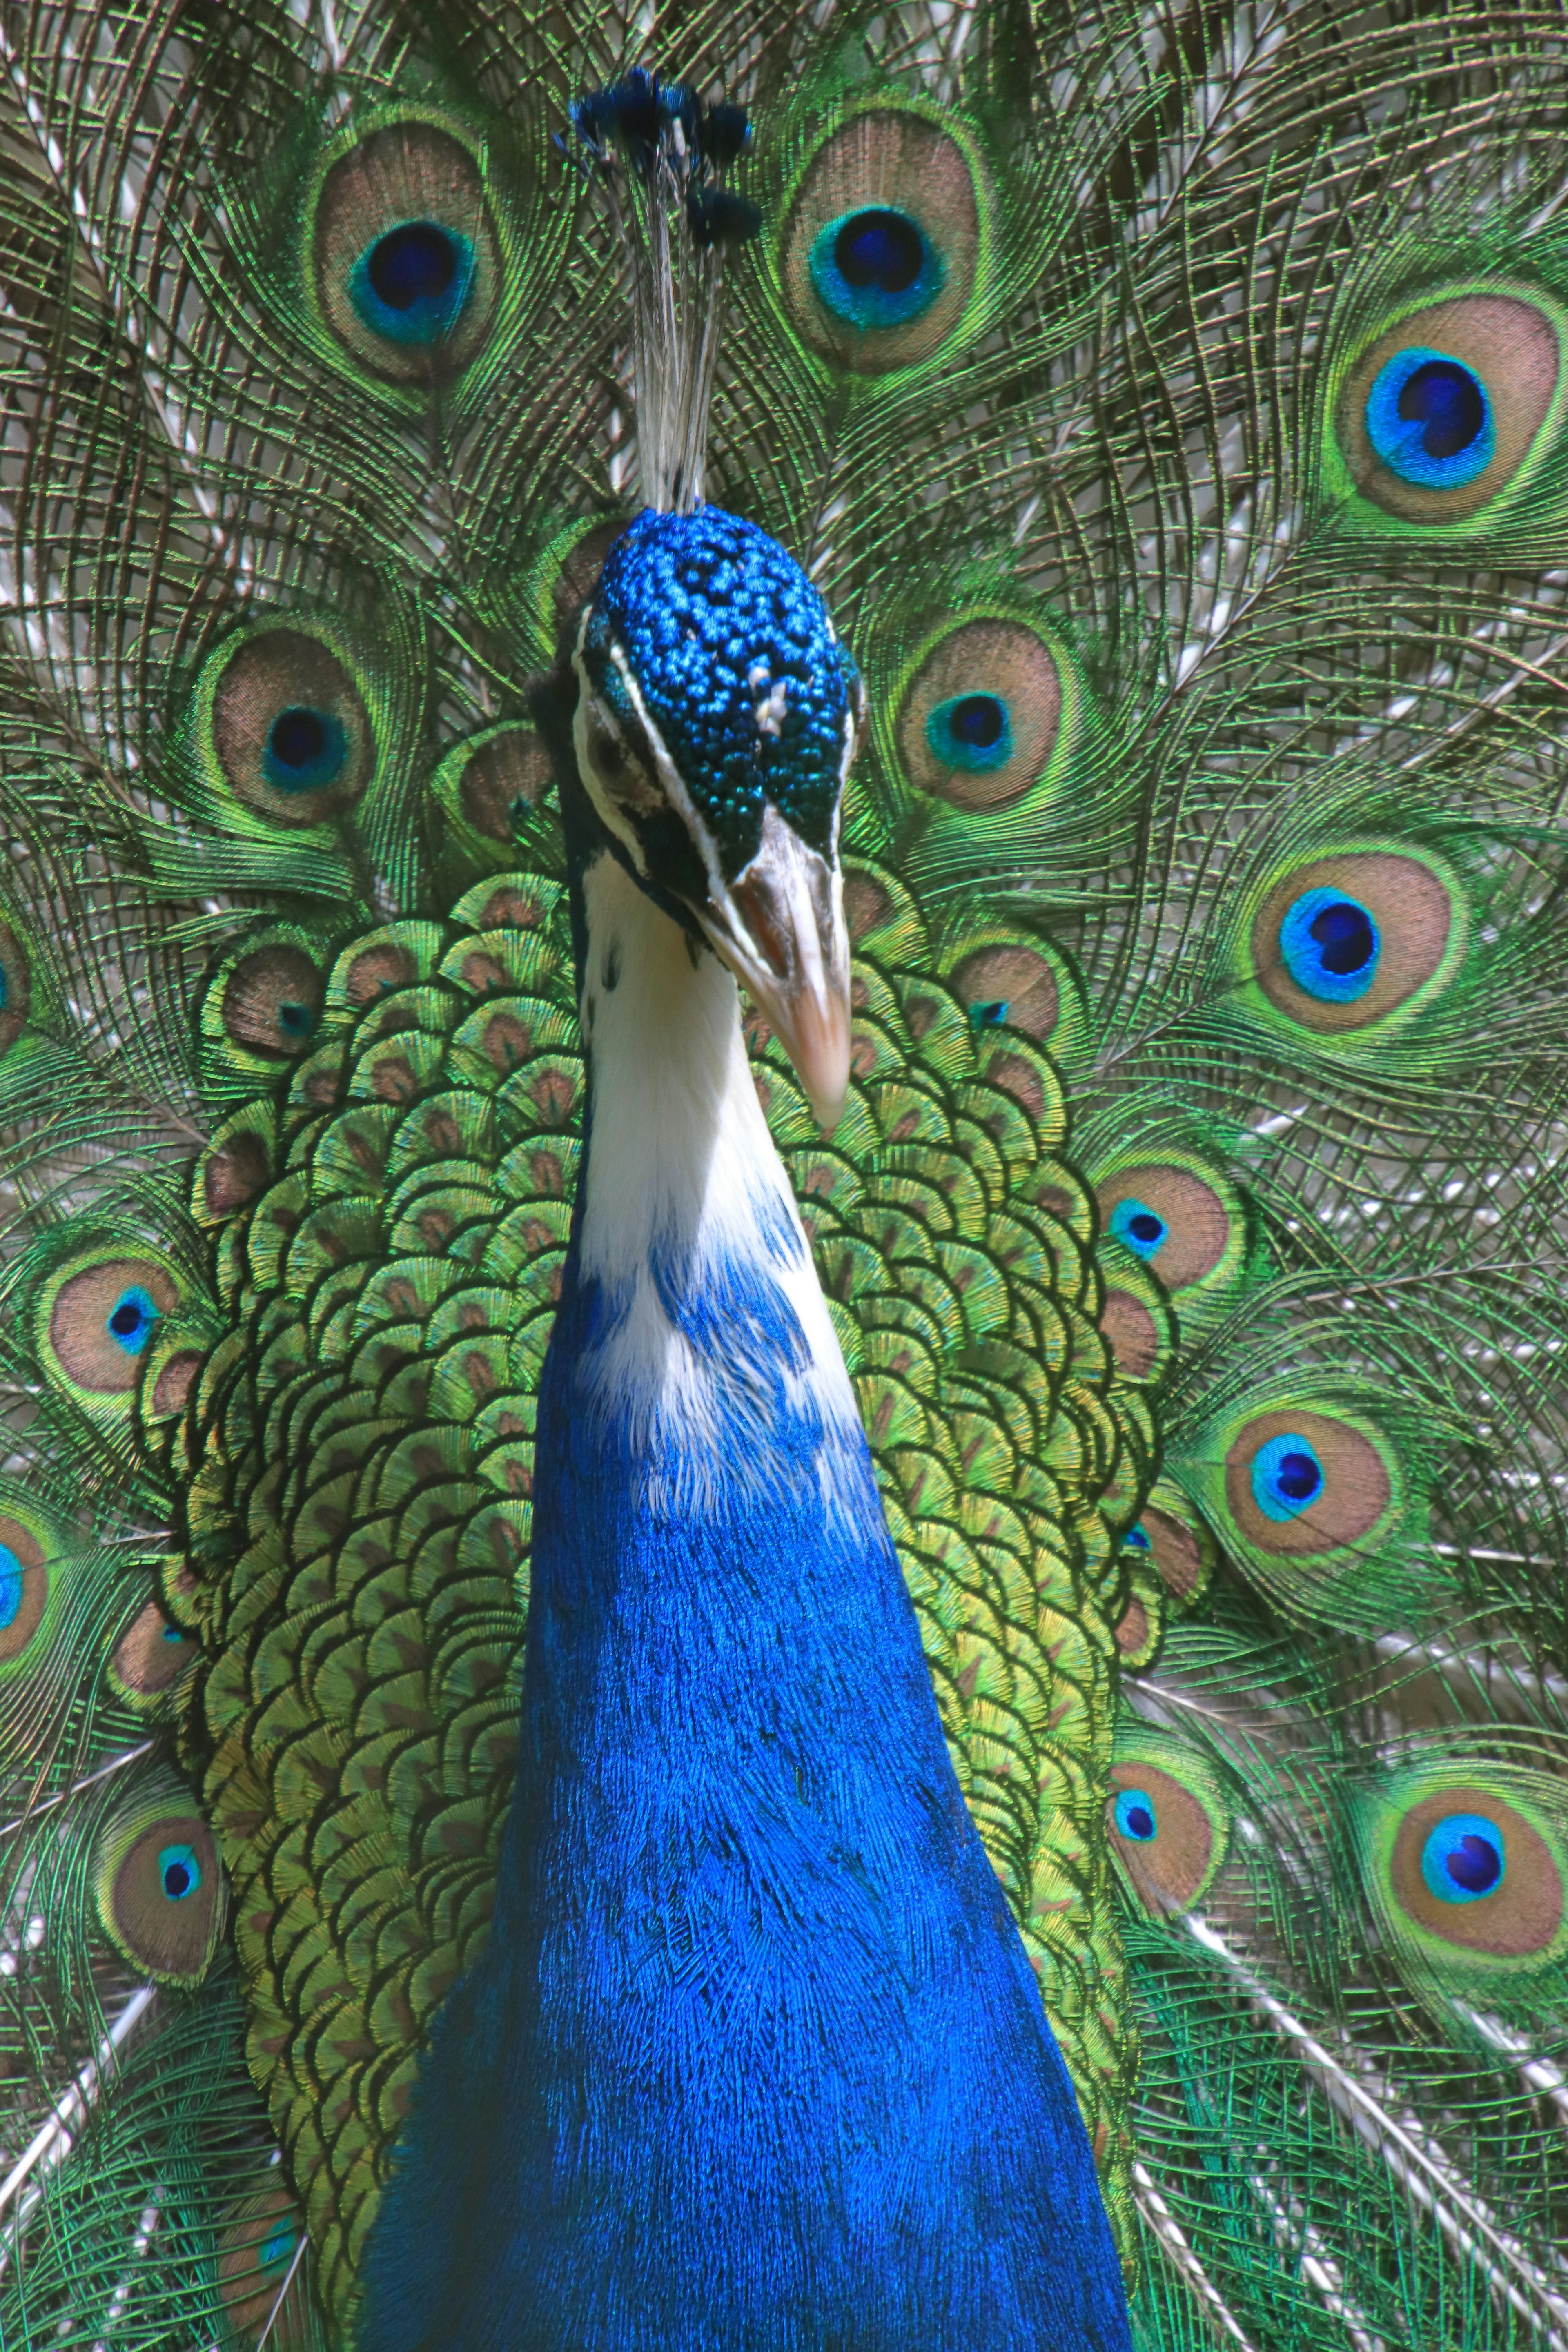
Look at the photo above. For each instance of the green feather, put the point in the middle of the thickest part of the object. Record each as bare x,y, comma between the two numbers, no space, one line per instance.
1179,641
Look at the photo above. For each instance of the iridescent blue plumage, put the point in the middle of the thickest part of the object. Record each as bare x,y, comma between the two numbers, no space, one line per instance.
1428,417
875,267
732,655
754,2056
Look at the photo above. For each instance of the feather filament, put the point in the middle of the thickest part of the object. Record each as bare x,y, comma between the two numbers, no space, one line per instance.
1369,2103
53,2141
1173,2244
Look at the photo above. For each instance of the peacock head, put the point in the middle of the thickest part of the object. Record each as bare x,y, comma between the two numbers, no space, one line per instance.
717,716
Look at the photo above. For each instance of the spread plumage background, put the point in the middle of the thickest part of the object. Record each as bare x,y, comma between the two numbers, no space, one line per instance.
1170,406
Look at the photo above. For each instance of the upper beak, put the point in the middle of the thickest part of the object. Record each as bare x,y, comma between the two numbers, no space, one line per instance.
780,927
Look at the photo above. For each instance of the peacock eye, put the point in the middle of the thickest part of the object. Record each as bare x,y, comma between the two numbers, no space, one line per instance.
1141,1228
1135,1815
1181,1215
1468,1869
11,1587
883,237
981,715
286,725
1446,410
1429,419
1169,1827
1331,946
306,750
413,284
259,2256
158,1885
1463,1858
1137,1537
970,731
1309,1497
1341,940
96,1316
179,1872
1287,1476
28,1623
406,257
1012,985
489,786
150,1658
875,266
131,1320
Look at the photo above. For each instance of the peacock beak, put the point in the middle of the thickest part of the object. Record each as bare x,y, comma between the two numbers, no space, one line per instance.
780,927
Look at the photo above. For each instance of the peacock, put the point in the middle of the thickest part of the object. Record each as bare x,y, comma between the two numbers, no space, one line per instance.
784,1035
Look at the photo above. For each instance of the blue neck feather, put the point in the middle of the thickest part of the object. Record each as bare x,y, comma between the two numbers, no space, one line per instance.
754,2061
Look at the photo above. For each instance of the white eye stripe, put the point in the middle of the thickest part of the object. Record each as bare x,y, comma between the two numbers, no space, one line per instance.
652,783
669,777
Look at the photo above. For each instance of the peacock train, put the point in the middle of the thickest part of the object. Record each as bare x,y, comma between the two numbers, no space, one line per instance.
783,1131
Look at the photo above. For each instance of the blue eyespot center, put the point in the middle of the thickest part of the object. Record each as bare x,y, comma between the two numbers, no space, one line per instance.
1449,403
1429,419
1345,939
1463,1859
1137,1537
1135,1815
979,720
299,737
296,1020
875,267
1140,1227
1286,1477
131,1320
180,1872
1330,945
173,1634
992,1016
879,248
305,752
10,1586
413,284
972,731
416,263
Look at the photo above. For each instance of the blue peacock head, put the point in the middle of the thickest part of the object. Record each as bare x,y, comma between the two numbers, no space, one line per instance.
717,717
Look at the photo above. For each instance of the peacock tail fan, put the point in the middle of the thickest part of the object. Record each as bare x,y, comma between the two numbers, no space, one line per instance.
1171,410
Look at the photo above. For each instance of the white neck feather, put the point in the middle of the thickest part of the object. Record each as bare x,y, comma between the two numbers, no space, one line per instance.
682,1180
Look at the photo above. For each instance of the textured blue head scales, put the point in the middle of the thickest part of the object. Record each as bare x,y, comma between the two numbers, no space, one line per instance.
706,635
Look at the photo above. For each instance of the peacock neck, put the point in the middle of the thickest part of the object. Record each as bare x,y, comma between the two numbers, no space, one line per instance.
730,2068
701,1341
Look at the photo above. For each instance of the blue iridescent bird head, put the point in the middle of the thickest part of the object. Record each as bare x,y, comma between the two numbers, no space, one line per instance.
716,719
